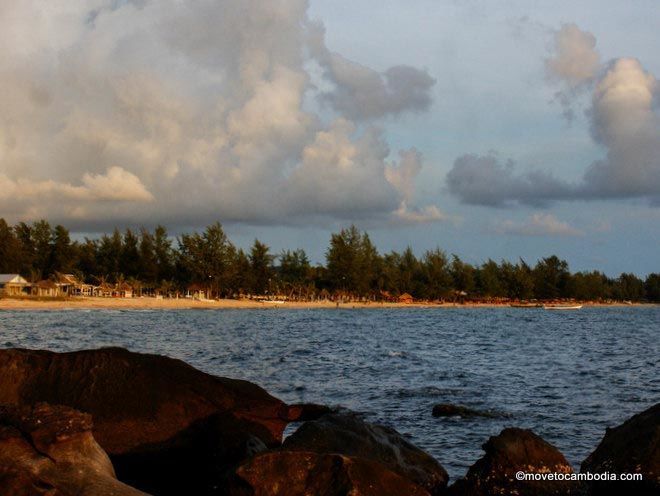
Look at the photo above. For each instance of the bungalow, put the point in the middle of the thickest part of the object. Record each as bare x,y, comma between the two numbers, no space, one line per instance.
406,298
46,288
70,285
196,292
13,285
123,290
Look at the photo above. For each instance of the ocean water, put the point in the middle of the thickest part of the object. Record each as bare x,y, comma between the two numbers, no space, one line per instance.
566,375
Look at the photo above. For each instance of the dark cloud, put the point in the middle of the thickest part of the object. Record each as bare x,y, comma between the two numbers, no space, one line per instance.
484,180
361,93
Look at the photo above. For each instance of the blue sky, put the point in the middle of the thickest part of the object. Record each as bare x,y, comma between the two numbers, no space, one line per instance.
491,129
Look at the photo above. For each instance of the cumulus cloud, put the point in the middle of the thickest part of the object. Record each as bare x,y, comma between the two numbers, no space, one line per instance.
539,224
624,119
402,177
575,59
187,112
362,93
575,62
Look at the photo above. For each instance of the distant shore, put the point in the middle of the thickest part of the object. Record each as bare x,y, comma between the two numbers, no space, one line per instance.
189,303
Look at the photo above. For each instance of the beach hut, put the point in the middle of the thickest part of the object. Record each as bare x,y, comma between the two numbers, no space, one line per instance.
46,289
70,285
123,290
406,298
104,290
13,285
196,292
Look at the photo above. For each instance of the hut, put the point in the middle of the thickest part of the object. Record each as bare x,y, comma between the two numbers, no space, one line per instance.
13,285
70,285
104,290
46,289
123,290
196,292
406,298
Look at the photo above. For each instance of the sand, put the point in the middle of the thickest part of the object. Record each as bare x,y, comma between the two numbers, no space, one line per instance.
189,303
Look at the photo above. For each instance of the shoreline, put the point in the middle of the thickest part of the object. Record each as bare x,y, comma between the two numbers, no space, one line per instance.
150,303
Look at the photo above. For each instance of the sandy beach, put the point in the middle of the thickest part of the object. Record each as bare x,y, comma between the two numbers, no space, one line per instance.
189,303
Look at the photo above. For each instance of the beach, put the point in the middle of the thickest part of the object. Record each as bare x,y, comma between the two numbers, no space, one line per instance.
191,303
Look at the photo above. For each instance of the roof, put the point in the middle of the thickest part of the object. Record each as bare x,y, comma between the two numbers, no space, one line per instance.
46,284
12,278
68,279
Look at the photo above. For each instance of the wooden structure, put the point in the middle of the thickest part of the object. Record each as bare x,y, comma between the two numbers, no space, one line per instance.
13,285
70,285
46,289
406,298
196,292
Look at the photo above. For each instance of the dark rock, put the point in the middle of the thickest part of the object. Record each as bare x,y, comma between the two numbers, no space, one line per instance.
449,410
512,451
168,428
50,450
631,448
301,473
303,412
347,435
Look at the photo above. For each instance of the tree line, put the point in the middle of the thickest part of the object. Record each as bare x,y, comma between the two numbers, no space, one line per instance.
154,262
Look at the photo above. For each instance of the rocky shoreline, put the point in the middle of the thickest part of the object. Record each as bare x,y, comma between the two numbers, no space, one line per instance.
111,422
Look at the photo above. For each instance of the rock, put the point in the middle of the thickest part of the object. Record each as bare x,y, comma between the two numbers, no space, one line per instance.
50,450
168,428
302,412
449,410
302,473
346,434
515,450
631,448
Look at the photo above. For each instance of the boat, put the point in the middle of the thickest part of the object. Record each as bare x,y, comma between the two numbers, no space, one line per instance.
525,305
562,307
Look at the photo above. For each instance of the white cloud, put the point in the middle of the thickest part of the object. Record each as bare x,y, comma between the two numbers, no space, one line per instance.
539,224
623,118
575,60
116,185
193,111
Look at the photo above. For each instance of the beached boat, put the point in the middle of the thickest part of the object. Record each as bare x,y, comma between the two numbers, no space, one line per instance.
562,307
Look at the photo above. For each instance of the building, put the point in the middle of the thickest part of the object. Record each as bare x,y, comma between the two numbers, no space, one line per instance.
69,285
13,285
46,289
406,298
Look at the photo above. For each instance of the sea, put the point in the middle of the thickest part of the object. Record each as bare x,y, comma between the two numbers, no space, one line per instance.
567,375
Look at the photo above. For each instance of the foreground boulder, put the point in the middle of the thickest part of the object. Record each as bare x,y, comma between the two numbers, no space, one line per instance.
631,448
168,428
512,451
347,435
50,450
302,473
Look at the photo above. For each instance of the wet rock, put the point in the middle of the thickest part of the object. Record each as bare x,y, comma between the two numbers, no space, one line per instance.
50,450
168,428
302,473
347,435
449,410
515,450
631,448
303,412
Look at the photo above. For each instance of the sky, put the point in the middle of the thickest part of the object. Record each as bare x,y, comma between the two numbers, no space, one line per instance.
489,129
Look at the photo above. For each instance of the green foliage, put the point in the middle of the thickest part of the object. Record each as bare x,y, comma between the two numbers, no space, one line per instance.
354,268
352,262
